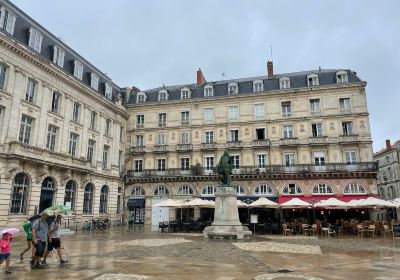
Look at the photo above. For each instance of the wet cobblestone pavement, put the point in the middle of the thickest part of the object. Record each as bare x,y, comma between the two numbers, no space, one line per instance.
120,254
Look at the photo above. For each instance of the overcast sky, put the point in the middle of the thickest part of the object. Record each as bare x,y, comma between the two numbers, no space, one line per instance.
150,43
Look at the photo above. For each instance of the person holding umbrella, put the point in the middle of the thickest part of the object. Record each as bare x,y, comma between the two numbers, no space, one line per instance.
5,249
40,230
54,241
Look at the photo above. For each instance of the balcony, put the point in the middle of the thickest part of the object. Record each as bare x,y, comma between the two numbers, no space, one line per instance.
162,124
160,149
288,142
321,140
184,148
348,139
138,150
208,146
140,125
262,143
234,145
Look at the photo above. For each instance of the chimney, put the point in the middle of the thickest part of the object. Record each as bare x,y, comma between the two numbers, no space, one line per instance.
200,78
388,145
270,68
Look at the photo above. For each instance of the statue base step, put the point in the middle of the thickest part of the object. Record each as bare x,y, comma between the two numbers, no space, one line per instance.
226,232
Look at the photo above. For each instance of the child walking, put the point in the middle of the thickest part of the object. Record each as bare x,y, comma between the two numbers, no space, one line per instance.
5,248
28,230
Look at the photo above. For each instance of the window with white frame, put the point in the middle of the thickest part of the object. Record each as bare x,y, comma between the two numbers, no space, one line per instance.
233,88
263,189
138,192
185,137
19,195
31,88
25,129
284,83
209,163
90,150
162,95
319,158
208,91
354,188
162,119
185,118
292,189
350,157
316,129
259,110
239,190
236,161
94,81
106,152
161,191
139,141
287,131
93,120
140,121
184,190
7,20
234,135
108,91
341,77
73,144
209,137
185,93
141,97
88,199
35,39
258,86
138,165
58,56
312,80
322,188
345,106
78,69
185,164
161,164
108,128
315,107
161,139
208,115
233,113
208,191
347,128
3,69
286,109
55,102
261,160
51,137
289,159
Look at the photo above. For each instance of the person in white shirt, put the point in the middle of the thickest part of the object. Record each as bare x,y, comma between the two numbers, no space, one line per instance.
54,240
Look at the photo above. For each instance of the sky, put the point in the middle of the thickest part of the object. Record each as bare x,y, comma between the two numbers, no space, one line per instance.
154,42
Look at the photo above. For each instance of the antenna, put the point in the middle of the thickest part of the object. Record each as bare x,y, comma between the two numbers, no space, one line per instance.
223,75
272,58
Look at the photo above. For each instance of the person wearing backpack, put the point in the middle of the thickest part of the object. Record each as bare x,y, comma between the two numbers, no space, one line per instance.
40,230
54,241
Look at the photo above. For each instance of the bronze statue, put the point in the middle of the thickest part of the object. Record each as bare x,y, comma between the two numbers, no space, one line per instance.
224,169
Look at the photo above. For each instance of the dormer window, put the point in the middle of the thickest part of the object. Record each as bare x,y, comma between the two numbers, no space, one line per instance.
233,88
94,81
284,83
78,69
341,77
208,91
58,56
108,91
162,95
141,97
7,20
312,80
185,93
35,39
258,86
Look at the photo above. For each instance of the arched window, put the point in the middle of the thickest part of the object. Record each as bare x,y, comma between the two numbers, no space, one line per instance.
119,200
341,77
70,189
239,190
208,190
19,196
263,189
322,188
284,82
312,80
292,189
161,191
354,188
184,190
88,199
138,191
103,200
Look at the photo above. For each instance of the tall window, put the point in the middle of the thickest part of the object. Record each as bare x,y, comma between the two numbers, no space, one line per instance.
162,119
258,86
3,70
208,91
185,164
78,69
347,128
161,165
119,200
350,157
138,165
288,131
287,109
7,20
289,159
162,95
236,161
73,144
93,120
55,102
58,56
315,107
233,113
209,163
234,135
319,158
25,129
209,137
185,118
185,137
121,134
260,133
108,127
103,200
120,160
261,160
51,138
70,190
88,199
106,151
161,139
76,112
284,83
90,150
208,115
35,39
185,93
139,121
141,97
19,196
312,80
139,141
259,111
316,129
341,77
30,90
94,81
108,91
345,106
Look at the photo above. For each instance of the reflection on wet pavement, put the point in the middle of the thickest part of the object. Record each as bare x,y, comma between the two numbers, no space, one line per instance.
123,254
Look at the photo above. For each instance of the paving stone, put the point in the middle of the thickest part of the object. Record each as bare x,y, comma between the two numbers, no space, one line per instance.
118,276
154,242
279,247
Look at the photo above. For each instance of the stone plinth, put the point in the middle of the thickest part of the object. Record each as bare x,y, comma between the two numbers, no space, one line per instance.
226,216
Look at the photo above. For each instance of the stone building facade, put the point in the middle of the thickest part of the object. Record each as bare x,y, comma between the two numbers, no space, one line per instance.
62,127
302,134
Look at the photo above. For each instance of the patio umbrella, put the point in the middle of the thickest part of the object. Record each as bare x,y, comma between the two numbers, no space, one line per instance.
34,217
332,203
296,203
198,202
57,209
242,204
170,203
263,202
374,202
352,203
10,230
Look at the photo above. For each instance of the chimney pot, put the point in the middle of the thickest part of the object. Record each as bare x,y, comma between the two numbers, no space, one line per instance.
270,69
200,78
388,145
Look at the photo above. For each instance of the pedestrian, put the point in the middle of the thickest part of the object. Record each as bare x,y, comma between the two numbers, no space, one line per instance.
5,248
54,241
28,230
40,230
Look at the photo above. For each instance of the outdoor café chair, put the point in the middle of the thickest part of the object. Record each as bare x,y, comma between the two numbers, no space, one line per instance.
371,230
387,231
286,230
314,229
305,229
360,230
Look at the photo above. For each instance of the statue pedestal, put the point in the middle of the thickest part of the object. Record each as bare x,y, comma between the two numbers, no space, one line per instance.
226,216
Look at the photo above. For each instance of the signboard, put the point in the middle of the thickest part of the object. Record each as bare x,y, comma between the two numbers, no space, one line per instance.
253,219
396,230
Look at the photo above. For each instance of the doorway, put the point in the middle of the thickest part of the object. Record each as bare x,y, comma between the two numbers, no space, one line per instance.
46,194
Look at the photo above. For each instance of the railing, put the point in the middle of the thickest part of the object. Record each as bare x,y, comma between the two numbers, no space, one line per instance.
184,147
318,140
349,138
269,169
262,143
160,148
288,141
138,149
139,125
208,146
233,144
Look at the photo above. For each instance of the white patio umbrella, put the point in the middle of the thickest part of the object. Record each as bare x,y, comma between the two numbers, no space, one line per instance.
263,202
374,202
171,203
242,204
332,203
197,202
352,203
296,203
